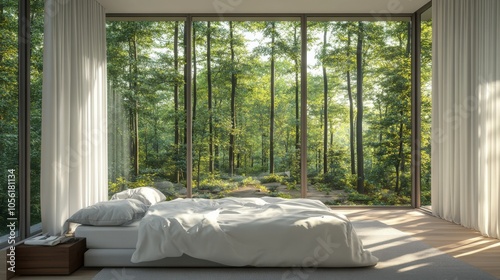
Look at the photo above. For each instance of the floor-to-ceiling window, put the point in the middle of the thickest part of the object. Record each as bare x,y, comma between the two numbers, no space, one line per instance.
9,119
21,65
37,13
148,101
146,105
359,95
245,93
244,105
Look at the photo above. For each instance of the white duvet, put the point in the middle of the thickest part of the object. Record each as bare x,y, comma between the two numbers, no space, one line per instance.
262,232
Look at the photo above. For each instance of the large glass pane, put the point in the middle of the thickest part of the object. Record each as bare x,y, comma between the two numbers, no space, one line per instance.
36,64
246,96
9,90
146,105
359,113
426,91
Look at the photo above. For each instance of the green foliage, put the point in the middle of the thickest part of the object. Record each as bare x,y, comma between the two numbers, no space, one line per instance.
272,188
145,180
216,186
272,178
281,194
250,181
292,185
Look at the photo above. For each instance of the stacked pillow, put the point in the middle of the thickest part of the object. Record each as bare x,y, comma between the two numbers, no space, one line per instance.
149,196
124,208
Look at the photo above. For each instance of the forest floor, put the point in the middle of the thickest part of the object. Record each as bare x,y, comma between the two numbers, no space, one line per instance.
312,192
260,190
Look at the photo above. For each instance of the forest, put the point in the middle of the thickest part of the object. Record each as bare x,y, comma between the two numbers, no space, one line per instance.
246,106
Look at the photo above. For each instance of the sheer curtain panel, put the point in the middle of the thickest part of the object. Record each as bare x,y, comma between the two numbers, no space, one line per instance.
466,113
74,132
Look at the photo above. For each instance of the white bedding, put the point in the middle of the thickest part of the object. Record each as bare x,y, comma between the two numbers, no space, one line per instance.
262,232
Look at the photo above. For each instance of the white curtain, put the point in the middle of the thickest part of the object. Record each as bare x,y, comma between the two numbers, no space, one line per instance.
466,113
74,122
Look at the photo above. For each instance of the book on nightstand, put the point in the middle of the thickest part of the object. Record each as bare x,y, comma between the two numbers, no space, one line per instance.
44,240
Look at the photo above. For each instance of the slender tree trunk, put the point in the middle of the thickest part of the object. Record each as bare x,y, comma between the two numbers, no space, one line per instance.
400,156
156,146
233,99
136,138
351,106
263,150
318,160
186,50
380,118
325,103
146,146
113,126
198,163
210,112
136,131
176,94
195,72
134,114
195,101
297,113
297,100
359,117
217,160
271,125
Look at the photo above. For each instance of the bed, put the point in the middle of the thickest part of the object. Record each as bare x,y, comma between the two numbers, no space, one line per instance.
257,232
113,246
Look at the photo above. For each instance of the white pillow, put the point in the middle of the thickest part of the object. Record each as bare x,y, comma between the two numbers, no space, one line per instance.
110,213
147,195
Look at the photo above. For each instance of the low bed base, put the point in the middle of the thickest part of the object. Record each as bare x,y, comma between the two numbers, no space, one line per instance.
121,258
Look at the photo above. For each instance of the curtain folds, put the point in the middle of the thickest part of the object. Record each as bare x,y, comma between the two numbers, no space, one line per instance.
466,113
74,110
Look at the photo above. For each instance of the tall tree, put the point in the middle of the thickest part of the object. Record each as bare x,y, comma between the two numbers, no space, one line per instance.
176,95
297,100
233,99
209,92
325,99
134,87
351,103
195,74
359,116
273,88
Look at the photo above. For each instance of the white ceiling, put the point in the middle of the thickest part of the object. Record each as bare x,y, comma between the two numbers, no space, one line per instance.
262,6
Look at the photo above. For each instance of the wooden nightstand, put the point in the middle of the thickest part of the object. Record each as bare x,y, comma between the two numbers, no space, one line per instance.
62,259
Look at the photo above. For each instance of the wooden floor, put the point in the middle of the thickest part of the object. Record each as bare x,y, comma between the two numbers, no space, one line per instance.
461,243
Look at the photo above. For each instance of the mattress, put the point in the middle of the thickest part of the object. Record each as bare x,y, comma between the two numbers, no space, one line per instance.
110,237
121,258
